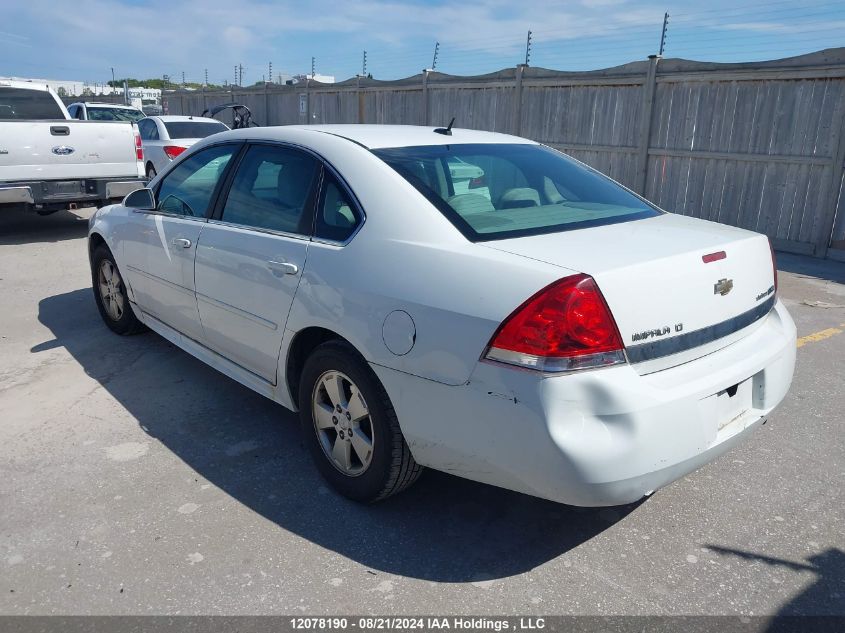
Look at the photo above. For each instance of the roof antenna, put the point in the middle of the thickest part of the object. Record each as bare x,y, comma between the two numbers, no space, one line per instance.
446,131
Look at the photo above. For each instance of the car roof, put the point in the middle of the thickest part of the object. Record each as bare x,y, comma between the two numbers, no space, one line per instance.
167,118
382,136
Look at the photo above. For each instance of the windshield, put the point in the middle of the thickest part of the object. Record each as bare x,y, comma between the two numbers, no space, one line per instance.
498,191
21,103
193,129
114,114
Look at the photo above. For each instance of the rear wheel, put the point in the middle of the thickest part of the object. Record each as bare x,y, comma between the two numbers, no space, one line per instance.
350,426
110,294
151,171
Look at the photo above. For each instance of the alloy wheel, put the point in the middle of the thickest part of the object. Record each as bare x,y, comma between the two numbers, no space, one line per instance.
342,422
110,291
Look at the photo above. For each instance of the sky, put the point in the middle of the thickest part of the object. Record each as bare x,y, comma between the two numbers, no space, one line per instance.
84,39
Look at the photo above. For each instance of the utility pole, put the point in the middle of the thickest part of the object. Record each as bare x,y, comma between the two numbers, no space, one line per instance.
183,79
112,76
528,48
313,66
364,72
663,33
241,74
436,51
236,76
206,77
270,72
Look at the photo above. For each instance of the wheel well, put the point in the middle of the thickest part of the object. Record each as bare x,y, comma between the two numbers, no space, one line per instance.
94,242
301,347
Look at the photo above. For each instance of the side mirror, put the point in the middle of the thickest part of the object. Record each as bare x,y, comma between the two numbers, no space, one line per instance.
142,199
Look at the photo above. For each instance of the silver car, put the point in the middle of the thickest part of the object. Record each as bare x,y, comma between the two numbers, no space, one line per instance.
163,138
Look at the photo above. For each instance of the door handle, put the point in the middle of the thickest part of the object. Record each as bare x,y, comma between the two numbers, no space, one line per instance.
285,268
181,241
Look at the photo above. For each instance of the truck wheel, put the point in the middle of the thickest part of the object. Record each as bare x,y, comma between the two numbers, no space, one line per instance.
151,172
351,428
110,294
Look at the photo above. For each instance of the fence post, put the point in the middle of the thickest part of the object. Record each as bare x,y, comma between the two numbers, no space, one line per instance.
266,106
308,101
837,168
425,96
360,100
517,126
645,124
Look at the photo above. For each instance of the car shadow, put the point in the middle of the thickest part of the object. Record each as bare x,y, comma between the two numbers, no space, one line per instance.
19,226
442,529
822,597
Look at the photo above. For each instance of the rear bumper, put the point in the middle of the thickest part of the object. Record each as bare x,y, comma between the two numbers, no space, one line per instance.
61,192
596,438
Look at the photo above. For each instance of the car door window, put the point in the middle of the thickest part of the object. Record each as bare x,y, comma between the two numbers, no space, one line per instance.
272,189
337,217
72,111
188,189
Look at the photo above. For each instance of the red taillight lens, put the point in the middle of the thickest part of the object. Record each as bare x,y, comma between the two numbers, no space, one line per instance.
475,183
565,326
774,266
173,151
139,151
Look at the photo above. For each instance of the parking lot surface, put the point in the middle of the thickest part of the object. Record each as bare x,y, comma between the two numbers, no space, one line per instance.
136,480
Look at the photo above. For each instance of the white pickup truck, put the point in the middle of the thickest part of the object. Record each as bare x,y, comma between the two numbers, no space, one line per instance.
50,162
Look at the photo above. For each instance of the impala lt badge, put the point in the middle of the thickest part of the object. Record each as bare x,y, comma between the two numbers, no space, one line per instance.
63,150
723,287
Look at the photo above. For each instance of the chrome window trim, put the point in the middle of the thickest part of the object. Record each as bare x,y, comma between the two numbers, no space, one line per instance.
258,229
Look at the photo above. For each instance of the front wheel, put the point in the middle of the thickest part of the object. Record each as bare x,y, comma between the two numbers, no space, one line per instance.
351,428
110,294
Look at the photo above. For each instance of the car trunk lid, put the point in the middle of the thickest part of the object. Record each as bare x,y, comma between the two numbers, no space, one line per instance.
677,287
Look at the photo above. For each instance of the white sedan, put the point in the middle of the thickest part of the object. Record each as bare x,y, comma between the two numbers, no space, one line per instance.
546,331
165,137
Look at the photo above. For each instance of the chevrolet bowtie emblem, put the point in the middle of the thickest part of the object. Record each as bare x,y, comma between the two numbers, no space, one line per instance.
723,287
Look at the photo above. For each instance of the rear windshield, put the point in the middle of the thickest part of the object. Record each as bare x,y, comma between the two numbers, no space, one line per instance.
114,114
20,103
193,129
498,191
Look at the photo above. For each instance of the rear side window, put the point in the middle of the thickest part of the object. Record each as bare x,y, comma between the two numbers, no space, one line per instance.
193,129
337,217
499,191
114,114
20,103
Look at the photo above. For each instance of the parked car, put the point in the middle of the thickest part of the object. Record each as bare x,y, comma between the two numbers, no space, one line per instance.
50,162
165,137
557,335
92,111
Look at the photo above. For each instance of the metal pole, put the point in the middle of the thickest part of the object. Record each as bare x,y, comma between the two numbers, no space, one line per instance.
663,33
436,51
528,48
364,72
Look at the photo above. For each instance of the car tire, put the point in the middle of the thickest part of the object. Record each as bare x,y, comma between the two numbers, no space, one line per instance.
110,294
378,462
151,171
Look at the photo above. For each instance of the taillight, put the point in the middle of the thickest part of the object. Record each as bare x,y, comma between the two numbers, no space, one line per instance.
139,149
475,183
173,151
774,266
564,327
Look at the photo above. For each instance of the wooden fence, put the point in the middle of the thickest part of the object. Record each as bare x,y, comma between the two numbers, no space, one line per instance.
759,145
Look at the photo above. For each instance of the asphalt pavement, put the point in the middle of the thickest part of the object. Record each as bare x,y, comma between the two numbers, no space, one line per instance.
136,480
